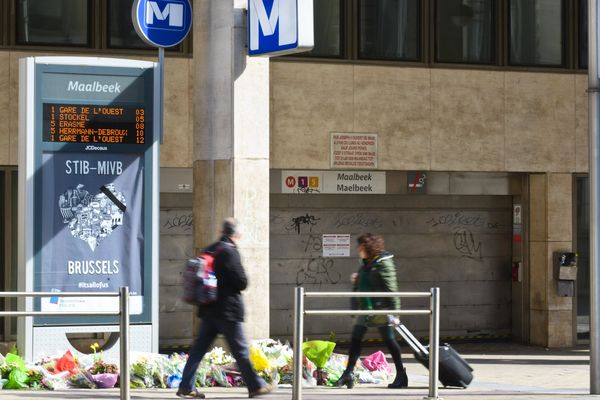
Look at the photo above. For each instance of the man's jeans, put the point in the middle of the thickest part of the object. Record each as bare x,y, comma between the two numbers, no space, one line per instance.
234,335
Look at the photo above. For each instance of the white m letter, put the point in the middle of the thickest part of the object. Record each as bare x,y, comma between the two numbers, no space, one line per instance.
172,11
283,12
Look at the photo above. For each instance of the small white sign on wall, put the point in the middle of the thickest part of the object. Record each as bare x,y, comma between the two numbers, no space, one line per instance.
353,150
336,245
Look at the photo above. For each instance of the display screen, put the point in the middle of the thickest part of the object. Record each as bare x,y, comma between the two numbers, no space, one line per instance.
78,123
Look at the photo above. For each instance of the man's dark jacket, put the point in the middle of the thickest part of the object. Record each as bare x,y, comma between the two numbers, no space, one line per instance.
231,280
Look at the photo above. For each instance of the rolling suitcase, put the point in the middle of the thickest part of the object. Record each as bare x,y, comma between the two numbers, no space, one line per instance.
453,369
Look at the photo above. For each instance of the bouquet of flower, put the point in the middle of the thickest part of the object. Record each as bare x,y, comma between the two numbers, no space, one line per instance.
82,379
142,373
217,356
55,381
160,371
102,367
103,374
34,379
15,372
67,363
173,369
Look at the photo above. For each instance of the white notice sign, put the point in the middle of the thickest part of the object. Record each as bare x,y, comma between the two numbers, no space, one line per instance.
336,245
353,150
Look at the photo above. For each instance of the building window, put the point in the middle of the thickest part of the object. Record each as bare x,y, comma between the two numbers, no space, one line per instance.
389,29
537,32
57,22
121,33
328,28
583,34
465,31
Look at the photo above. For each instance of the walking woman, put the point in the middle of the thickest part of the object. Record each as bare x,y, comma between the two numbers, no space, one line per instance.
377,274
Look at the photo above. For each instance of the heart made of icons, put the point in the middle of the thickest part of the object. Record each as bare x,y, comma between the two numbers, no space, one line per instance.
92,217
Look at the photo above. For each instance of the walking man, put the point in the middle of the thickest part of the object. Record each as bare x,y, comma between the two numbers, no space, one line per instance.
225,316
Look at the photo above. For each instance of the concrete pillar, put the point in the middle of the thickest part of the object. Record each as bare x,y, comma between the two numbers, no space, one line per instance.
550,230
231,145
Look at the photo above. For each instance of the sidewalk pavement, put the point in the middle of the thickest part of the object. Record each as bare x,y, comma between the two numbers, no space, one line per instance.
501,371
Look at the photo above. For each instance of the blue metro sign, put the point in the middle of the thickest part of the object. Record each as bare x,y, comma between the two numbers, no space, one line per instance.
162,23
280,26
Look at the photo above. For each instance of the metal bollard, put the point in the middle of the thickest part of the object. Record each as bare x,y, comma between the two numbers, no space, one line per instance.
298,333
124,342
434,344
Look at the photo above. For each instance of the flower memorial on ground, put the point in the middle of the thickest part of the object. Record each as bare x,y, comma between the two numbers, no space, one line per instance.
104,374
271,359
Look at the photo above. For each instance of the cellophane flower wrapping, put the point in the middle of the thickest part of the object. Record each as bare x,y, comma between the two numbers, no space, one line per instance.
142,372
218,368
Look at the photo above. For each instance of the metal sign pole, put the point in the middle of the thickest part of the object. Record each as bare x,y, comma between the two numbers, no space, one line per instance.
161,88
594,165
434,343
124,328
298,333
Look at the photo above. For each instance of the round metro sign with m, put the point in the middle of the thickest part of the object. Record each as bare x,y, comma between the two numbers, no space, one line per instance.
162,23
278,27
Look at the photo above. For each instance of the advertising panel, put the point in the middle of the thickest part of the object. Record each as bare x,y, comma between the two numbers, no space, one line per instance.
90,150
92,228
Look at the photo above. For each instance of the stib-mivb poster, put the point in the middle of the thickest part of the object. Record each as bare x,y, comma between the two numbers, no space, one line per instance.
92,227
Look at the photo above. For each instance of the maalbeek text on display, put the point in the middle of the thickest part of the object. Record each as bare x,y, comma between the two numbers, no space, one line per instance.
94,87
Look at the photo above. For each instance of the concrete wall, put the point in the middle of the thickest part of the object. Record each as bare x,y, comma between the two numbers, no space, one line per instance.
430,119
551,230
460,243
177,148
176,319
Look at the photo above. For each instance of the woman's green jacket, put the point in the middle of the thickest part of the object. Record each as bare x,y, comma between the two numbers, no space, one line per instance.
378,275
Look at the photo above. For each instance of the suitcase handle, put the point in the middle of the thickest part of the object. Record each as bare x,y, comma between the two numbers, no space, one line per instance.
408,337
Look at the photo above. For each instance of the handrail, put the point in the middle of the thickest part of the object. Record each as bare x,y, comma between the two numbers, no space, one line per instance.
367,312
434,328
367,294
59,294
123,314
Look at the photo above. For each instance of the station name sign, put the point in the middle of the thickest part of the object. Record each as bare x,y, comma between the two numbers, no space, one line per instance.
96,86
333,182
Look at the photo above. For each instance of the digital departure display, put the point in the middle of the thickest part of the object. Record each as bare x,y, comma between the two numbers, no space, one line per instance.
78,123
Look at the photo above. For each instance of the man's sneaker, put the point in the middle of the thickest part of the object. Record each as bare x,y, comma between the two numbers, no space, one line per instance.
190,394
263,390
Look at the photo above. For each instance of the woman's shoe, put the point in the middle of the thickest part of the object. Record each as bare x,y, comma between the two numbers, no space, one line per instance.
347,379
401,380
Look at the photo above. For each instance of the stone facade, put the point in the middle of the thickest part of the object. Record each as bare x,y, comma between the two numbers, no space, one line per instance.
427,119
431,119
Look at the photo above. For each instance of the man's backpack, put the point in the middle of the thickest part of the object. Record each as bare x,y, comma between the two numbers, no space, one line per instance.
200,280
